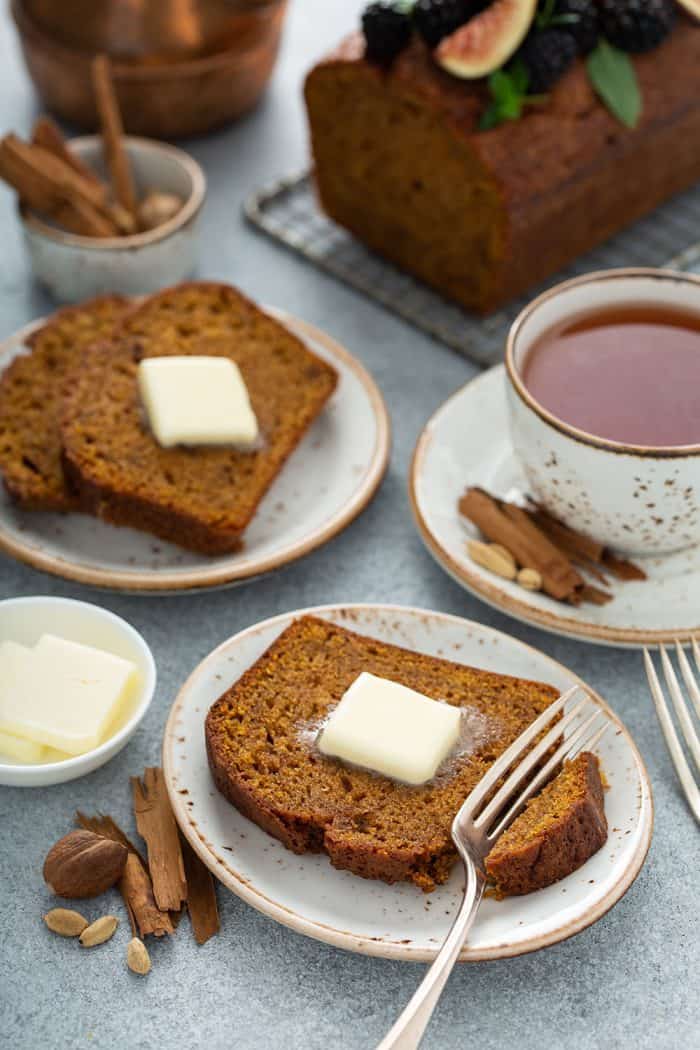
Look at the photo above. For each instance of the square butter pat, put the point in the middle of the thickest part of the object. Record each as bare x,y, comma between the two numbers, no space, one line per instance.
61,693
196,400
391,729
21,750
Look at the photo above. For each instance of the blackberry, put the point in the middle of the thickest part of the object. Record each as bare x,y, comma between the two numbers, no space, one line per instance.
387,32
435,19
637,25
547,54
586,29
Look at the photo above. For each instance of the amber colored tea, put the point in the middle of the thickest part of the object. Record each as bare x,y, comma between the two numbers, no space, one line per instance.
629,374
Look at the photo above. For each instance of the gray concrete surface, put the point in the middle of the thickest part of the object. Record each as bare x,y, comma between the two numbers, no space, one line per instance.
627,982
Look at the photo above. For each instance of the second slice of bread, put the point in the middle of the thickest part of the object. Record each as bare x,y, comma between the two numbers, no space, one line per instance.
200,498
32,390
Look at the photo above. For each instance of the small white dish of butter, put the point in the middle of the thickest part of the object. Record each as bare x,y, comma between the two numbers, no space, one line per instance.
75,681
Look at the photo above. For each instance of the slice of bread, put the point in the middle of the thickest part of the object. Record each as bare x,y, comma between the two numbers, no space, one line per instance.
200,498
556,833
260,740
31,399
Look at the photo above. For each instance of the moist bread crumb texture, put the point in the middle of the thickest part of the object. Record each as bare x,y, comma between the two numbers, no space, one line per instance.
32,390
260,742
200,498
555,834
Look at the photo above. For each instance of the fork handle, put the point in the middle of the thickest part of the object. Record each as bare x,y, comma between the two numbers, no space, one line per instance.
407,1031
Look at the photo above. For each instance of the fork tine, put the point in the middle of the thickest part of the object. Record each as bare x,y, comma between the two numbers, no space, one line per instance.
672,742
512,754
689,677
696,652
528,763
687,727
589,741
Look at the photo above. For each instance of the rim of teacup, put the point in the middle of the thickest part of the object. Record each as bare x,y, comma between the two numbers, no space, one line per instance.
582,436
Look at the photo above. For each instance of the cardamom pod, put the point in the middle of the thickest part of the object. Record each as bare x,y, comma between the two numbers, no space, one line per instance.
98,931
491,557
137,958
530,579
65,923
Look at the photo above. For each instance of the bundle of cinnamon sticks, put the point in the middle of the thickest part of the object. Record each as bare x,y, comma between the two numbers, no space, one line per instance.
537,541
172,877
55,183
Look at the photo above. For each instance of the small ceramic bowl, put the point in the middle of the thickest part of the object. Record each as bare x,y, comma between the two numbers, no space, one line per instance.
73,267
24,620
635,498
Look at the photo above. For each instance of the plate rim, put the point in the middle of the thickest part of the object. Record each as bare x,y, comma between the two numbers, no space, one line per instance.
493,594
244,889
204,578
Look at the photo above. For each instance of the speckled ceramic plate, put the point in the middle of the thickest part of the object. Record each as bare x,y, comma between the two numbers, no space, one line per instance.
467,442
328,480
398,922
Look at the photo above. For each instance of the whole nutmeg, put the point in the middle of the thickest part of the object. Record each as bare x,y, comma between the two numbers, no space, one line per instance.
83,864
156,208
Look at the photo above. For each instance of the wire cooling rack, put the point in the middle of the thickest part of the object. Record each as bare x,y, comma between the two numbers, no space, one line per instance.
288,211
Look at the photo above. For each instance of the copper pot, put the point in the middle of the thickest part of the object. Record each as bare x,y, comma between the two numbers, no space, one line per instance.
181,67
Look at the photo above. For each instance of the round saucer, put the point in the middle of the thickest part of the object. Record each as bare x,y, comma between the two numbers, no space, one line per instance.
467,442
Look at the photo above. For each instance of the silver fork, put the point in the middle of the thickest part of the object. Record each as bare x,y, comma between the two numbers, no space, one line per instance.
478,825
685,775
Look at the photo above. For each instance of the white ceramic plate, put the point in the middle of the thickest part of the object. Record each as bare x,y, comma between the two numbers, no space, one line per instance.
467,442
397,922
327,481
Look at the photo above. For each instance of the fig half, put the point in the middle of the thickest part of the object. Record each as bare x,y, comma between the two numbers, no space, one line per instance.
691,6
487,41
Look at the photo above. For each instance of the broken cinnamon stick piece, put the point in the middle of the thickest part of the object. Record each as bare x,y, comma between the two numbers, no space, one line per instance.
48,135
201,895
530,547
157,827
574,543
623,569
135,884
51,188
116,156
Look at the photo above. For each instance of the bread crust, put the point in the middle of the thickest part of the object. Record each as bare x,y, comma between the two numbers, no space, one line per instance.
570,837
484,216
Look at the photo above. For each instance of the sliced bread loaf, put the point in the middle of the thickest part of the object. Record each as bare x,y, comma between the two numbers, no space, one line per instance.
260,740
555,834
32,389
200,498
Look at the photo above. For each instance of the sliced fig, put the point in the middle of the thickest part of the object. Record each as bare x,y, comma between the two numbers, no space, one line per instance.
488,40
691,6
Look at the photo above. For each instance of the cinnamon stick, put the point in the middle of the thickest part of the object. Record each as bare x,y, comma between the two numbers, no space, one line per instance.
510,526
51,188
623,569
201,895
135,884
48,135
157,827
574,543
113,135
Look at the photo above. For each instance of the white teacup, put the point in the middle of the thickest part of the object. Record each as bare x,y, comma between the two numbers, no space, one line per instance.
635,498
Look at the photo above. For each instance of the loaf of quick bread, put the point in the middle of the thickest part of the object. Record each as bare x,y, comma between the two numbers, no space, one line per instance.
483,215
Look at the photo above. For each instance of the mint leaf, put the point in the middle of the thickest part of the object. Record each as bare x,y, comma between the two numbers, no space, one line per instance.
508,88
520,76
614,78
